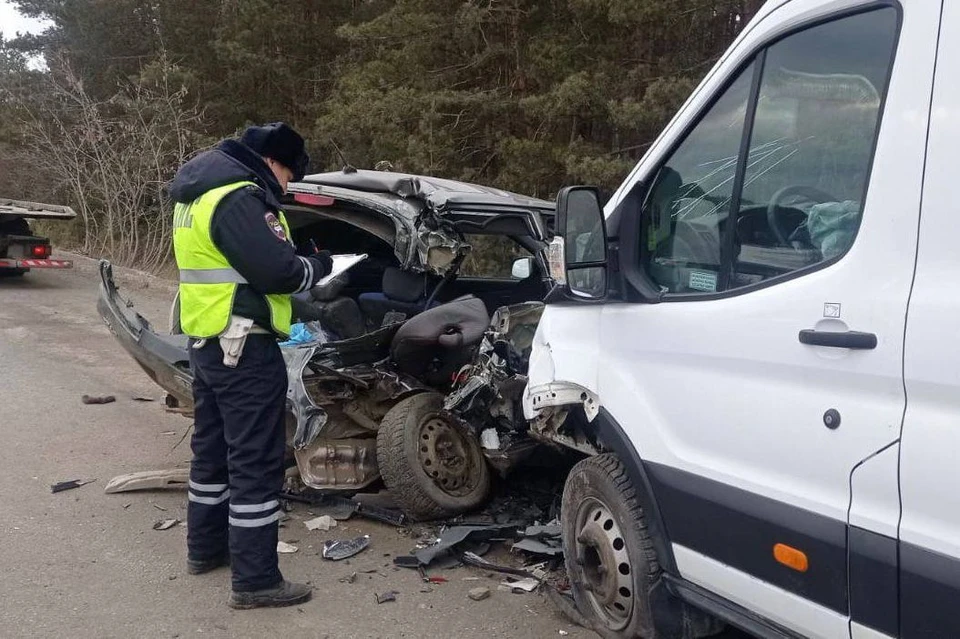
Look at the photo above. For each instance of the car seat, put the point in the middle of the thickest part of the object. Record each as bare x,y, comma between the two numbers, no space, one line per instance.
435,344
338,314
402,292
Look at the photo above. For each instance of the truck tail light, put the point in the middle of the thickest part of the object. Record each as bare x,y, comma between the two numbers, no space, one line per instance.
40,251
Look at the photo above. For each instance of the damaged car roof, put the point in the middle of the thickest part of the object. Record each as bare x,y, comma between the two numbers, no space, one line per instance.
438,193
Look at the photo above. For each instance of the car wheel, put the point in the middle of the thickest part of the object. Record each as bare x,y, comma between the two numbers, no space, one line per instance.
611,561
13,272
432,466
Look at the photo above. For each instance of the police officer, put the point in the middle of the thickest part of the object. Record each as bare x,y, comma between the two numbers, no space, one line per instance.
238,268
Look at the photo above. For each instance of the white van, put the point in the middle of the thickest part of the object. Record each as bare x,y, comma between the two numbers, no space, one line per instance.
755,343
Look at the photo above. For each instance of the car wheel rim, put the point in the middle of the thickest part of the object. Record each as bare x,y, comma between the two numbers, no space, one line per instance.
447,457
607,573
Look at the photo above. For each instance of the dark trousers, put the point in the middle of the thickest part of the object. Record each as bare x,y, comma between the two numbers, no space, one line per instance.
238,451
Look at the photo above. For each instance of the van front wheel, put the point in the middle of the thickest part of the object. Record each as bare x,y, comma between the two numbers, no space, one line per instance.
610,557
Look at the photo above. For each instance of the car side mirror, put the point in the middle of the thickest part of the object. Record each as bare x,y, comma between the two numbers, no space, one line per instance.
522,268
582,230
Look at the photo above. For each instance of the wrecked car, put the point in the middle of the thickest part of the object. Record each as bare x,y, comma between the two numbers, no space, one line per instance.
404,374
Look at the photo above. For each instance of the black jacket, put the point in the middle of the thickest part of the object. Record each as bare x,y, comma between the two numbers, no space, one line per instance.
244,227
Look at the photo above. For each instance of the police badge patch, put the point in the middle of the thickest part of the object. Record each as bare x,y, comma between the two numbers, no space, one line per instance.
275,226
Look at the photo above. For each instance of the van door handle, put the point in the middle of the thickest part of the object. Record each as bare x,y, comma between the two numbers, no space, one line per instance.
846,339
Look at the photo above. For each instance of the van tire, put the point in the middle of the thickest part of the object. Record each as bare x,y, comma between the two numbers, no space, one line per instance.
605,533
405,445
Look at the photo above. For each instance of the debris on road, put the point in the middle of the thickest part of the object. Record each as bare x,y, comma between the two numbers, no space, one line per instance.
92,399
347,507
541,540
173,478
475,560
337,549
453,540
285,548
323,522
479,594
390,595
142,398
69,485
551,548
166,524
349,579
159,507
525,585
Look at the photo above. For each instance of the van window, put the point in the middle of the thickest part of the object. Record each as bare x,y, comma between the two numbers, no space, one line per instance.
798,191
687,207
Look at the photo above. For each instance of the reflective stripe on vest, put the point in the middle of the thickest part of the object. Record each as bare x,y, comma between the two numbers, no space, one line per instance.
211,276
208,283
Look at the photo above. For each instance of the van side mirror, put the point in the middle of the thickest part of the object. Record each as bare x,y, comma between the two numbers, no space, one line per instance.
582,228
522,268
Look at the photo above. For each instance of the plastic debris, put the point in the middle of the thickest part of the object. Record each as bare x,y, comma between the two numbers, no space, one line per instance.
166,524
284,547
563,633
525,585
480,562
390,595
541,540
349,579
479,594
92,399
452,540
69,485
540,547
337,549
323,522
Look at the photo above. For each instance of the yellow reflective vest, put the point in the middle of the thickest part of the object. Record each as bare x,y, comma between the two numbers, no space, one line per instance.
208,283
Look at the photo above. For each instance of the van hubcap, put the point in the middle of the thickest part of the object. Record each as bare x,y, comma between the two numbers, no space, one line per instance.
607,571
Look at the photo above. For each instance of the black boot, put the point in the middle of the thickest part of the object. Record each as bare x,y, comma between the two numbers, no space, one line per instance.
285,594
200,566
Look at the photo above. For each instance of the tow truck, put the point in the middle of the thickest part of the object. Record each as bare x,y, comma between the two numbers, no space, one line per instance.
20,249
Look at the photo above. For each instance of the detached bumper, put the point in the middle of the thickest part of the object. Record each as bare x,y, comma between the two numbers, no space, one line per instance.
164,358
8,263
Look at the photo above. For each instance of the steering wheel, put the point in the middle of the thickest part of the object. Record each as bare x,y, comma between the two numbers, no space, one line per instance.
809,192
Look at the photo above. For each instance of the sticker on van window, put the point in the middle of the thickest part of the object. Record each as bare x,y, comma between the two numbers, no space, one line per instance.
703,281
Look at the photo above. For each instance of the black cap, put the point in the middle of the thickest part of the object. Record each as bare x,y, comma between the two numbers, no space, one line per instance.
280,142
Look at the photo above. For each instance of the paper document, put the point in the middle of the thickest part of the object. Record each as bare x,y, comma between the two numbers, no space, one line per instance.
341,264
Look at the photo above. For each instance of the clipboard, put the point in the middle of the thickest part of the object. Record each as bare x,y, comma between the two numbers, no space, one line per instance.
341,264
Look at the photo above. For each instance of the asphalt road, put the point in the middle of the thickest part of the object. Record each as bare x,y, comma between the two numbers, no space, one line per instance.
84,564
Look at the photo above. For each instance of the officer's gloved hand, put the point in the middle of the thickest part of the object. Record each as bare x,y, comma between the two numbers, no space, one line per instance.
322,265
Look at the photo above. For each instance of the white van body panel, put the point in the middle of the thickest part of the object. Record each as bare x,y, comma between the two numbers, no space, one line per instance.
722,390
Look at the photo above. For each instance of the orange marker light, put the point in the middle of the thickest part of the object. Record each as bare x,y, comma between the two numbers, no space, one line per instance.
791,557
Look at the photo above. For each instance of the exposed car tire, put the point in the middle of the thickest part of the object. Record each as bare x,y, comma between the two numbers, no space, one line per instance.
432,467
611,560
13,272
